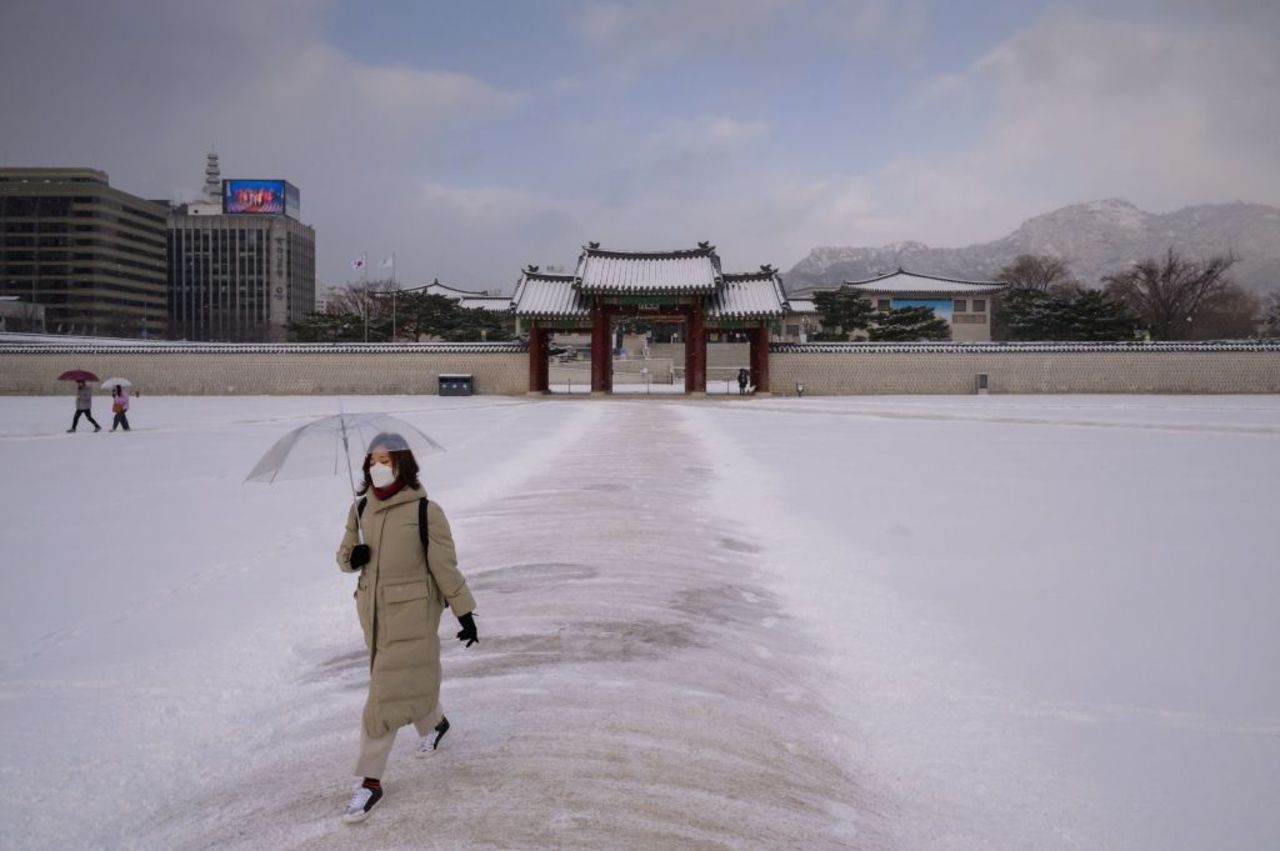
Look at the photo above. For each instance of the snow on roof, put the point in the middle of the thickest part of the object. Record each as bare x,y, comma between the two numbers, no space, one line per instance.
902,282
549,296
437,288
746,295
692,271
486,302
801,305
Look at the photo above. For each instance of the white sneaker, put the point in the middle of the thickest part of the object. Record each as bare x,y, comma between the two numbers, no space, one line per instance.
431,741
362,802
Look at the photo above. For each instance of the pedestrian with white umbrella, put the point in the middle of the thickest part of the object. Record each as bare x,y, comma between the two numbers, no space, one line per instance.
400,544
119,401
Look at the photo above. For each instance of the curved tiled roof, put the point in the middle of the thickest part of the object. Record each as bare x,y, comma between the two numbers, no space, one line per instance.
743,296
540,295
436,285
639,272
903,282
496,303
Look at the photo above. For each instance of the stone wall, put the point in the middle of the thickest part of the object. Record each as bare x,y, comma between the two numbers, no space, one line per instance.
855,369
823,369
268,370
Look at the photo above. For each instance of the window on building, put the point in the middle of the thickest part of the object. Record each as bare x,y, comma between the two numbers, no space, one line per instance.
979,305
961,306
883,304
54,207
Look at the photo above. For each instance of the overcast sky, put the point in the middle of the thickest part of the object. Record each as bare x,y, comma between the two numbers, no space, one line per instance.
473,138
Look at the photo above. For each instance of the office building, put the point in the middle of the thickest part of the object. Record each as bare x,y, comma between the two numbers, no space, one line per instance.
241,264
91,255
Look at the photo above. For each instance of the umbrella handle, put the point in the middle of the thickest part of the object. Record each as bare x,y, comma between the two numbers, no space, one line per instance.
359,518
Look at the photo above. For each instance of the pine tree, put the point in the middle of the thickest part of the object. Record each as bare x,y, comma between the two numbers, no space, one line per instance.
843,311
906,324
1065,315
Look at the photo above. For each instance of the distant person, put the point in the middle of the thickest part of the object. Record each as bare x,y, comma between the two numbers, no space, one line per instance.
120,407
405,581
744,378
84,401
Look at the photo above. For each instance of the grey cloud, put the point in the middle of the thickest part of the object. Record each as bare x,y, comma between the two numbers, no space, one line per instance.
661,29
142,89
1165,116
664,30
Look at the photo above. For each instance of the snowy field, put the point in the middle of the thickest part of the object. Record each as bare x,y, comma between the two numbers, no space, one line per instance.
916,622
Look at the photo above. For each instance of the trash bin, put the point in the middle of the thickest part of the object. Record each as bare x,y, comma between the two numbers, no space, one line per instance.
456,385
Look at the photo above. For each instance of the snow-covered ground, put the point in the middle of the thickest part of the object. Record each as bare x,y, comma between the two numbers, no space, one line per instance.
1032,622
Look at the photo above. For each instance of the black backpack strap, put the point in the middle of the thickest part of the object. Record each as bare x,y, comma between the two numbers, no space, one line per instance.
422,525
360,506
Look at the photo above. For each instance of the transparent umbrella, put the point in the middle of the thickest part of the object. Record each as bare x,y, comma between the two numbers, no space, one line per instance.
331,444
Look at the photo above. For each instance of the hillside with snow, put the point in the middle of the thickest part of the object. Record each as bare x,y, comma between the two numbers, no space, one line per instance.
1096,239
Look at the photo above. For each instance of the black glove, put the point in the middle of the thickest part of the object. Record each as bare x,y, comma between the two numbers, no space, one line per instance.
468,631
360,555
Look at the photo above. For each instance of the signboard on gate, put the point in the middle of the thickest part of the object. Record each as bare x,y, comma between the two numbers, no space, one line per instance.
655,301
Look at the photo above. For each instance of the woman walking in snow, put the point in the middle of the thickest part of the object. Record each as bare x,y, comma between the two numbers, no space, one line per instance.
84,404
120,407
408,573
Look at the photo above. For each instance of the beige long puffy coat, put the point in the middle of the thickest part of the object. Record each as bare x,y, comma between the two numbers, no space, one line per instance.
399,599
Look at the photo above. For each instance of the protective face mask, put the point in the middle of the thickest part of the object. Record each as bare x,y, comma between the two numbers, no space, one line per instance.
381,475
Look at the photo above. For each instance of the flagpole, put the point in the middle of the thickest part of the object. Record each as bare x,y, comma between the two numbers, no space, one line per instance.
364,266
393,296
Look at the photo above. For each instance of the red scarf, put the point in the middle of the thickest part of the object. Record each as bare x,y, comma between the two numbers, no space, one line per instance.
389,491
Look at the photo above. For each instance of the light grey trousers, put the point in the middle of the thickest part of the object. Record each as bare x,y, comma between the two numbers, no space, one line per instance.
374,753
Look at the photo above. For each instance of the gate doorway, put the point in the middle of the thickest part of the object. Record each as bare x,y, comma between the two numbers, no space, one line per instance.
629,304
646,354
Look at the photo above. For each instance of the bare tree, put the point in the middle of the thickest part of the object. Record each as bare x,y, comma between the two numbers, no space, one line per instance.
1038,272
357,297
1032,278
1174,296
1233,313
1271,315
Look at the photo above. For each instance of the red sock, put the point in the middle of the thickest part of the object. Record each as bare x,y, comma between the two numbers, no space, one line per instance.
372,783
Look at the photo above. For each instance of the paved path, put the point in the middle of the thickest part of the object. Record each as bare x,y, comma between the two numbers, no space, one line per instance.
635,687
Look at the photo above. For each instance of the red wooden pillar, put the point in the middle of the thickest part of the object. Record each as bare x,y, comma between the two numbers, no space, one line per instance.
601,350
760,357
537,359
544,374
688,350
696,351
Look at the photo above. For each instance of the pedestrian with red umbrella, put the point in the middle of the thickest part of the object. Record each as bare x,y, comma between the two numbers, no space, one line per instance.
84,397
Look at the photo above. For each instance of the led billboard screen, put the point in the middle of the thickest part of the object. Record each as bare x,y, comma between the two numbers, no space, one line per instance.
292,202
253,196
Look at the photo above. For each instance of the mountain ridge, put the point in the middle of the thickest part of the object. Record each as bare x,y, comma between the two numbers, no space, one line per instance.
1095,238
